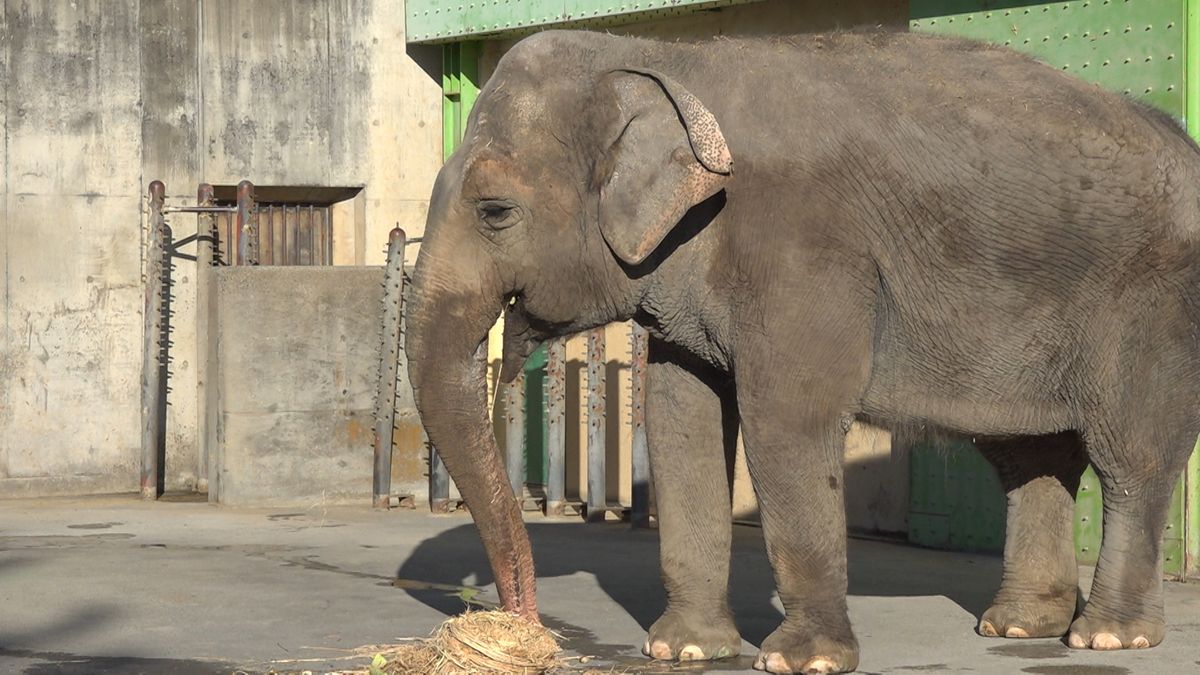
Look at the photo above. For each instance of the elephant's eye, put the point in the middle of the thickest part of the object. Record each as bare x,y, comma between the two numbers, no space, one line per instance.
498,213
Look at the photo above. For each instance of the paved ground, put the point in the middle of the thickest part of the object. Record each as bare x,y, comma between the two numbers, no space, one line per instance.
112,585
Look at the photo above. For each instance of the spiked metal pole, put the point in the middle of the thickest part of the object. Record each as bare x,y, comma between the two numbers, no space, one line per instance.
389,355
247,225
514,439
556,427
597,500
153,391
640,508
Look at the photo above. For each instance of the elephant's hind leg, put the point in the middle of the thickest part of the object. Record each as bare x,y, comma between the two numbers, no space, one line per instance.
1040,588
1138,437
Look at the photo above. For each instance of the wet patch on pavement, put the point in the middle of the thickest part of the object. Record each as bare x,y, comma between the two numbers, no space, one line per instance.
59,540
1032,650
1081,669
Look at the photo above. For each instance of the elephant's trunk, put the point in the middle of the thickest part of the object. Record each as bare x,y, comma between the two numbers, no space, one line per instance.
448,320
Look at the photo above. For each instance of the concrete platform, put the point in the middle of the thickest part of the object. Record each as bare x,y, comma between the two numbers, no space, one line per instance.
113,585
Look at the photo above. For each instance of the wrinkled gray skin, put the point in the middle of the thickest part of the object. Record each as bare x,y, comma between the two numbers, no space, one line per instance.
916,232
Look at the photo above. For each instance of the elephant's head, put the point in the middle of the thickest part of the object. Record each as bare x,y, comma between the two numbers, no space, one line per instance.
574,167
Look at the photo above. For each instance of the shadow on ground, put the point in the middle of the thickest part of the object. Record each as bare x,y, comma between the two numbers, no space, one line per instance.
59,663
624,563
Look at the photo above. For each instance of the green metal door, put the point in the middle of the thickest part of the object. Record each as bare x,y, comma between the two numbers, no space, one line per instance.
1140,48
536,429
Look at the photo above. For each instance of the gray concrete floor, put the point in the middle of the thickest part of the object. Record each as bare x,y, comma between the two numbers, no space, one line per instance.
113,585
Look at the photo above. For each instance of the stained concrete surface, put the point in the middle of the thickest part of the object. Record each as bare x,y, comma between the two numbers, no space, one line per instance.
97,99
297,386
113,585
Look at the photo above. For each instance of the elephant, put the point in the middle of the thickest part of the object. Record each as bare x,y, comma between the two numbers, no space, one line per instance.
922,233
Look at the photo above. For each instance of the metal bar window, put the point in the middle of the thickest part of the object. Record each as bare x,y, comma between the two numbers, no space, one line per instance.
290,234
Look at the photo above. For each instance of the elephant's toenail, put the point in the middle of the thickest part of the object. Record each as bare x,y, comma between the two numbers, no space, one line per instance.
1140,642
1105,641
660,651
1076,641
777,664
691,653
760,663
1015,632
986,629
724,653
819,665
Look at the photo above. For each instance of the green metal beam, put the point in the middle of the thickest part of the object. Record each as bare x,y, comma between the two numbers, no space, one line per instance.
433,21
1192,75
1191,94
460,88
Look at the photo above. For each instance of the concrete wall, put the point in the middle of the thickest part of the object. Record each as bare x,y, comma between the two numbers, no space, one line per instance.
70,358
876,479
297,357
99,98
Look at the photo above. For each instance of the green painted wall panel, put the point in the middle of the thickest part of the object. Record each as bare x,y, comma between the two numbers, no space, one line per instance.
955,499
537,430
1131,46
448,20
1141,48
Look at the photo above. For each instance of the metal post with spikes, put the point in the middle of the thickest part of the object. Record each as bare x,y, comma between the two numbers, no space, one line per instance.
389,359
153,367
640,465
247,225
556,427
514,438
597,500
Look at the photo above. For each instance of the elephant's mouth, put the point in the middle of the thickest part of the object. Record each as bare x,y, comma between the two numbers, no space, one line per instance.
521,338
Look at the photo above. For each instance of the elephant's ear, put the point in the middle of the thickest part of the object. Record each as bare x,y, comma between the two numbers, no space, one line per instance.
665,155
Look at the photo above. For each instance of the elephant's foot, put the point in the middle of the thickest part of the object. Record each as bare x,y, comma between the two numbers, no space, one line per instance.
1029,616
692,635
1104,634
785,651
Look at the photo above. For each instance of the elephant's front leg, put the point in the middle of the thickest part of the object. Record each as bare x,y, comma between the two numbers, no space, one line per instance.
794,453
691,420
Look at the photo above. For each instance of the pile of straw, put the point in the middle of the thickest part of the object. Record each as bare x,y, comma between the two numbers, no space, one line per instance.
475,643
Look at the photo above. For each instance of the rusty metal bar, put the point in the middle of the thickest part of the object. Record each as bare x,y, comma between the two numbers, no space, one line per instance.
320,229
267,253
597,501
153,366
389,355
285,253
640,464
247,225
309,239
297,236
206,400
201,208
514,438
556,427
